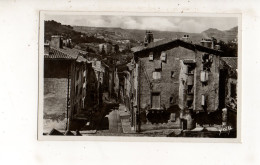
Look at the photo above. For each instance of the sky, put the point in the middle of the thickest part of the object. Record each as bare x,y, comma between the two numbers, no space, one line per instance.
161,23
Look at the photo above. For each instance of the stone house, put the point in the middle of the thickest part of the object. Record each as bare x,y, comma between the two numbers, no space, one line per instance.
173,81
68,78
228,88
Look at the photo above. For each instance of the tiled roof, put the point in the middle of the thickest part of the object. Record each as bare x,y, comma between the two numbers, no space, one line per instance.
137,48
66,53
230,61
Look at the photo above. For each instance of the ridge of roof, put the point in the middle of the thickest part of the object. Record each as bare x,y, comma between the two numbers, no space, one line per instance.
168,43
66,53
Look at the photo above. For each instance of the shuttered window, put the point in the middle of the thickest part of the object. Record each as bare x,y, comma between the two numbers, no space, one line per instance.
156,101
156,75
204,76
151,56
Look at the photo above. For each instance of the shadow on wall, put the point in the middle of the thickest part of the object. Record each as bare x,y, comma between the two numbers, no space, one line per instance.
205,118
160,116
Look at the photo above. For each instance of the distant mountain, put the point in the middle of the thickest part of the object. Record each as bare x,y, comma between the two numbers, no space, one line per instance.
138,35
225,36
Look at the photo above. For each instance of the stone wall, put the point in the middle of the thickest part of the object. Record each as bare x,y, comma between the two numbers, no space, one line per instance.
209,89
167,86
55,103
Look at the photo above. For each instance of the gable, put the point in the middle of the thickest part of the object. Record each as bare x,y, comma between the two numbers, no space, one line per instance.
165,45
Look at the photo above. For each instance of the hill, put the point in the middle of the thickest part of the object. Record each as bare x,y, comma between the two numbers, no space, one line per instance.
138,35
67,31
225,36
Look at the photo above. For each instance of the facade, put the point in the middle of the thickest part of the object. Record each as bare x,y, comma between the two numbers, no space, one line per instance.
228,86
67,81
173,81
105,48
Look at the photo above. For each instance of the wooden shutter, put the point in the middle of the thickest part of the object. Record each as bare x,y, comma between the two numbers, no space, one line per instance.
155,100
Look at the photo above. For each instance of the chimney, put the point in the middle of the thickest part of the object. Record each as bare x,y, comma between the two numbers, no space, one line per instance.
217,47
186,38
56,41
148,38
209,43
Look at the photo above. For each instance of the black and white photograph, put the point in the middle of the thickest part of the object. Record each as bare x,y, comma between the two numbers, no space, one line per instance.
118,75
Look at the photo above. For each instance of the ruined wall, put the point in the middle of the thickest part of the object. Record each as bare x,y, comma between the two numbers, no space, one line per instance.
209,89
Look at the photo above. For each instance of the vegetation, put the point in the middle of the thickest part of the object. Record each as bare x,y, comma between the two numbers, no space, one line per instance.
229,49
55,28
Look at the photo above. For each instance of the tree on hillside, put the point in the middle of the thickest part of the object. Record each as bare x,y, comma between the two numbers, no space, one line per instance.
116,48
103,52
229,49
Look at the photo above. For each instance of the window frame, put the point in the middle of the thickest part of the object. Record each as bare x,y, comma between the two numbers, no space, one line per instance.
151,99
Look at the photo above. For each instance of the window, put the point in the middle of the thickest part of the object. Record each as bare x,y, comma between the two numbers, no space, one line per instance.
205,58
156,75
203,100
189,90
76,90
233,90
155,101
172,74
173,117
189,103
204,76
151,56
163,56
171,100
190,69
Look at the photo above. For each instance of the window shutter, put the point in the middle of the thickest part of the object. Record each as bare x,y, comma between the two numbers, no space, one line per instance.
156,75
203,100
163,56
204,76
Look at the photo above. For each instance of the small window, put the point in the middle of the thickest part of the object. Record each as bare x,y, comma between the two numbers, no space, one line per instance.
173,117
151,56
189,103
171,100
163,56
203,100
204,76
156,75
156,101
76,90
172,74
190,69
233,90
189,90
205,57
